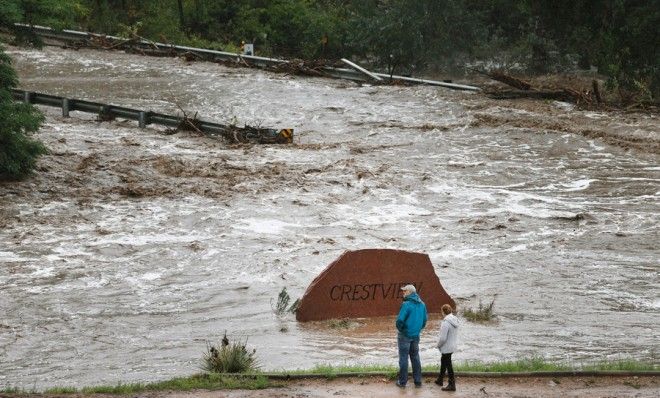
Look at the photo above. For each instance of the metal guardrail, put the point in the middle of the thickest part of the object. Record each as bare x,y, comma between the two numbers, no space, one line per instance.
214,55
144,118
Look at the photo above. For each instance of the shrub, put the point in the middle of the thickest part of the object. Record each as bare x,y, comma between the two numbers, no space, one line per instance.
282,305
230,357
484,313
18,152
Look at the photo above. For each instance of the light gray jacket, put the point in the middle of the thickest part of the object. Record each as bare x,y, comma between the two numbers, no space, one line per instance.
448,334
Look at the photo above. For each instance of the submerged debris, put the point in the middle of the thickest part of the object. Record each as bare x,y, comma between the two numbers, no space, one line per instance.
302,67
525,89
258,135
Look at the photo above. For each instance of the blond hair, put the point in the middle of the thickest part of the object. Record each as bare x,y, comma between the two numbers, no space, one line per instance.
446,309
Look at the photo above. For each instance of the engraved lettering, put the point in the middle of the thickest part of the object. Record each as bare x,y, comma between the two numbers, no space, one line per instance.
389,289
369,292
355,291
365,292
345,291
332,293
399,294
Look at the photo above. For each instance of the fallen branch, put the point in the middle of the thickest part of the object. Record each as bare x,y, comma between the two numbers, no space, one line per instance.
121,44
188,124
300,67
148,41
596,91
509,80
98,41
190,56
557,95
525,90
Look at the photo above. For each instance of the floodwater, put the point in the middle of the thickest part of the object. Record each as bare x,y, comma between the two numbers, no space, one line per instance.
131,249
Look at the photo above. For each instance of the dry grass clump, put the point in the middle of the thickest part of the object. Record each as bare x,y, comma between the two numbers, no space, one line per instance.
230,357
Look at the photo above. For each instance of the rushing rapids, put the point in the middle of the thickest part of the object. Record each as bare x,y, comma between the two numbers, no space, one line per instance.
131,248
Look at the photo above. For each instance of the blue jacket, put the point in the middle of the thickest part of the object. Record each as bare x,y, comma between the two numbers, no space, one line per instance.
412,316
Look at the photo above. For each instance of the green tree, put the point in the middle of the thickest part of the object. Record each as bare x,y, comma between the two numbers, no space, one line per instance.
402,36
57,14
625,45
18,152
388,32
10,12
53,13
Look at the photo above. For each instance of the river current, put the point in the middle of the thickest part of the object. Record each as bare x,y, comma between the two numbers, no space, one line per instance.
101,287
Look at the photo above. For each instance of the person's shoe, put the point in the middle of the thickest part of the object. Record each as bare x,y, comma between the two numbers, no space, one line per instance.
439,382
400,385
450,387
418,385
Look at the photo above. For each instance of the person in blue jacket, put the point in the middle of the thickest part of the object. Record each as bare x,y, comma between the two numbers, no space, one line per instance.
409,323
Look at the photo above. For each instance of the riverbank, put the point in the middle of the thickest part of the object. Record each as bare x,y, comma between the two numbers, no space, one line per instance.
500,373
379,386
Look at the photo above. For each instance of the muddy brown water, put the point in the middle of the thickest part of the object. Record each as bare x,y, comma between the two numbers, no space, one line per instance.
131,249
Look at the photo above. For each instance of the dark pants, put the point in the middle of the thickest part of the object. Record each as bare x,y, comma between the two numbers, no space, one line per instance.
445,367
409,348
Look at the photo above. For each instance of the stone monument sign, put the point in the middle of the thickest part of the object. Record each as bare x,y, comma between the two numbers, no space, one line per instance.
366,283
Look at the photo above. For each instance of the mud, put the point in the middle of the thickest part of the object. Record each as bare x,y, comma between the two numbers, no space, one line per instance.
638,387
130,248
508,387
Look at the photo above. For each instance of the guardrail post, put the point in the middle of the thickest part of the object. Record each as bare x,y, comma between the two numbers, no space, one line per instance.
27,98
142,121
65,107
106,114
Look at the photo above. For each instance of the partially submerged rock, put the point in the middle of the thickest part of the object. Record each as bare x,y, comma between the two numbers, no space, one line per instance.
367,283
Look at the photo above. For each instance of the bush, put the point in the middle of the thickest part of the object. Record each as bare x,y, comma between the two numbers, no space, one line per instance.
230,357
282,305
484,313
18,152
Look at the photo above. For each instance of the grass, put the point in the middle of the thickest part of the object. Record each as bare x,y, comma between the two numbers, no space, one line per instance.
61,390
216,381
482,314
331,371
12,390
531,364
209,381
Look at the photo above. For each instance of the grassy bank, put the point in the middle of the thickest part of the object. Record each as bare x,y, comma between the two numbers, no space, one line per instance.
261,380
533,364
199,381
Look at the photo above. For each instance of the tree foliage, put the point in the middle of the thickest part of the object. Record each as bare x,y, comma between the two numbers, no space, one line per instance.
619,37
18,152
54,13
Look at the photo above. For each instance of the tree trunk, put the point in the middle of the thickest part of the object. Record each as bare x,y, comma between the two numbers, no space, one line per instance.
596,89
